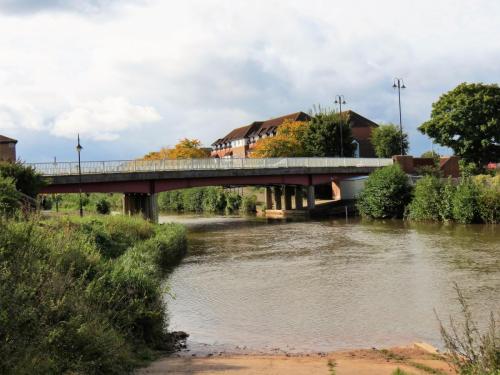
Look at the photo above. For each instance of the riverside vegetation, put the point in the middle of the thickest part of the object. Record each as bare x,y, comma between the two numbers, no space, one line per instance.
389,194
83,296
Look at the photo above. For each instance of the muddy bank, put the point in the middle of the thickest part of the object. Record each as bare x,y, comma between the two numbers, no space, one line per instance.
411,359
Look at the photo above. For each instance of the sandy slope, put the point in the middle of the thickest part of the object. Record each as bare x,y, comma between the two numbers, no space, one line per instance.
357,362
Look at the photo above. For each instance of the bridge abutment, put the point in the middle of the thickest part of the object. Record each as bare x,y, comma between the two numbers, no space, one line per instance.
143,204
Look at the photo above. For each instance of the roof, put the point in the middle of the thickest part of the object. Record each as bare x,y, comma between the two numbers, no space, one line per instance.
358,121
4,139
260,127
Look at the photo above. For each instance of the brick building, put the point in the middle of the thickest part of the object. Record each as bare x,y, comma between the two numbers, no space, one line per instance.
7,149
240,142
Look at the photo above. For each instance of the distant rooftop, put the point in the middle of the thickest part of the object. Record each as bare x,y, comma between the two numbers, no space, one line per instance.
4,139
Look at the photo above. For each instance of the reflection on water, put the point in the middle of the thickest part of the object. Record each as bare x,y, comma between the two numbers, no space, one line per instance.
328,285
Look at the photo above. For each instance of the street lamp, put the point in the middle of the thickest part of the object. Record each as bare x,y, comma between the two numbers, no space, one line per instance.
399,84
340,99
79,149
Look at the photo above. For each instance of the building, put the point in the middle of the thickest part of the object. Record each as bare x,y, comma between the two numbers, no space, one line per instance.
7,149
240,142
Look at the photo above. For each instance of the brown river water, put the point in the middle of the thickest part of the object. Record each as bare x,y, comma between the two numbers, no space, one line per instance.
316,286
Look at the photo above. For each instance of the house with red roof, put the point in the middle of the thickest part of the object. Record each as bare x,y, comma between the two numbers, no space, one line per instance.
240,142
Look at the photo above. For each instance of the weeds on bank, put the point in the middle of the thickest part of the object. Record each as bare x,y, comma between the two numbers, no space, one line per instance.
332,365
471,352
391,356
398,371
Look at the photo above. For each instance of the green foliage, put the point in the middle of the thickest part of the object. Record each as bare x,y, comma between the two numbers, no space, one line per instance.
386,194
467,119
398,371
26,179
431,155
9,196
386,140
465,202
322,137
103,206
248,203
427,199
66,309
71,202
470,351
446,204
209,199
488,198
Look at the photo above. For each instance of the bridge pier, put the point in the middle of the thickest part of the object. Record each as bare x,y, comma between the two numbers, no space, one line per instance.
298,198
288,197
277,197
269,198
310,197
144,204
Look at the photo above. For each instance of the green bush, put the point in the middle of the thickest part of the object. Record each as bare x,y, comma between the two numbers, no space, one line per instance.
489,204
65,308
446,204
465,202
427,199
386,194
233,202
214,199
103,206
192,199
9,196
249,203
26,179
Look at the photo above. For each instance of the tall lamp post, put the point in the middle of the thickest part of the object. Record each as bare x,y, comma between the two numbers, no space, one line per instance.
399,84
79,149
340,99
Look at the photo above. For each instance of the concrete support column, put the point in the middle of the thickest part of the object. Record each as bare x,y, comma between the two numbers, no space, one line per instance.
299,196
143,204
310,197
269,198
277,197
288,197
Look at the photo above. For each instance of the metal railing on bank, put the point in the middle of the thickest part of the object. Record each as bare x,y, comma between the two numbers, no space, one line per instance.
130,166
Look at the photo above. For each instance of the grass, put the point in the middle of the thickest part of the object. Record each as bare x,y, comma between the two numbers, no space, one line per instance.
70,305
332,365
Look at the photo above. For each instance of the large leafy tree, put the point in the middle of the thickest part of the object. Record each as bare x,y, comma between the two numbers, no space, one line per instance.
26,179
322,137
467,119
185,149
288,141
386,140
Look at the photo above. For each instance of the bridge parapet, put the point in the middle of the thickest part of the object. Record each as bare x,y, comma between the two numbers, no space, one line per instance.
165,165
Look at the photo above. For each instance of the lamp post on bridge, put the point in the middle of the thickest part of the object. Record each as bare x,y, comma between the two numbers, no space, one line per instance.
399,84
79,149
340,99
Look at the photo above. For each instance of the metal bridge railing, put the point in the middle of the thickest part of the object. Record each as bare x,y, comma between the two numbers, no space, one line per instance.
128,166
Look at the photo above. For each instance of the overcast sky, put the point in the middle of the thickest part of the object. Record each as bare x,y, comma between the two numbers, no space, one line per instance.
133,76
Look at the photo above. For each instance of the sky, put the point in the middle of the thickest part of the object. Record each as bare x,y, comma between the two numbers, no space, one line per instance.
132,76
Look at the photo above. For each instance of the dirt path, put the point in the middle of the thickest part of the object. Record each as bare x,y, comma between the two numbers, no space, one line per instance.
357,362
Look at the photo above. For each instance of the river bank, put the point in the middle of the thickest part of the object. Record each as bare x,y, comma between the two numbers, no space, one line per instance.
410,359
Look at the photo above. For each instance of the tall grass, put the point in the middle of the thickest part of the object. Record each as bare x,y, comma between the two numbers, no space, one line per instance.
69,305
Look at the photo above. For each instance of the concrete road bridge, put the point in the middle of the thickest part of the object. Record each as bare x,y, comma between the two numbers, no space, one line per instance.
141,180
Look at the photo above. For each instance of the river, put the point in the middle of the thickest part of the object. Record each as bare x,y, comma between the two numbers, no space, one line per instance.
317,286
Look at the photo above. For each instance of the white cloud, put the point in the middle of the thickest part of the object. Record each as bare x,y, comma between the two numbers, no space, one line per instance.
208,66
103,120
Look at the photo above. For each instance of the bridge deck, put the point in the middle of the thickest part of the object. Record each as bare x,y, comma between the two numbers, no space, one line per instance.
211,164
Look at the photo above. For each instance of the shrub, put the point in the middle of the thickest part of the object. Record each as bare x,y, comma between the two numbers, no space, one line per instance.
489,204
214,199
103,206
9,196
192,199
386,193
427,199
233,202
465,207
471,352
446,204
67,309
27,180
249,203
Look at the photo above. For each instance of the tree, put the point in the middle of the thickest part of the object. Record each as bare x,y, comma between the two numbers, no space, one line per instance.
288,141
322,137
386,194
9,196
185,149
26,179
386,140
467,119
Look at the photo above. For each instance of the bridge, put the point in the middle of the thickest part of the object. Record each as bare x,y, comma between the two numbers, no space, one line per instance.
141,180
